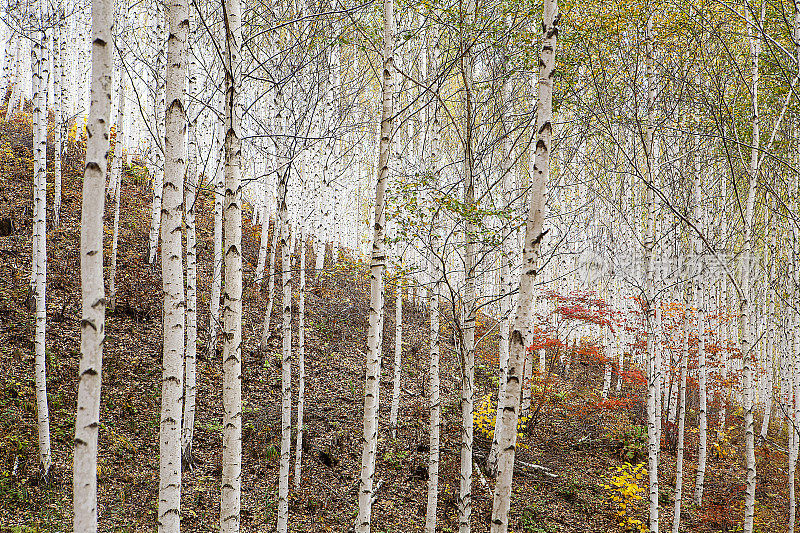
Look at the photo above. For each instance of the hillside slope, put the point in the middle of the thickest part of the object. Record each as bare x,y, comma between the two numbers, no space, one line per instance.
576,436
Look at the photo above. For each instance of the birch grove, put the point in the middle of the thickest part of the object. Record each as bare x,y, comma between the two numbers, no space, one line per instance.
586,216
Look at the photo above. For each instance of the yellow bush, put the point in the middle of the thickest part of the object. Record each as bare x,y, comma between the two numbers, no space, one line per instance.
624,490
483,418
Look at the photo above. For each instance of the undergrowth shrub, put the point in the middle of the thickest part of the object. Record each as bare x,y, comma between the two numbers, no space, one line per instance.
484,419
628,440
624,490
722,447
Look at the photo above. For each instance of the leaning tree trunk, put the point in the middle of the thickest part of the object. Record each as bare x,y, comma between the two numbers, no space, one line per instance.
508,407
377,267
265,332
169,489
87,422
506,261
39,263
232,345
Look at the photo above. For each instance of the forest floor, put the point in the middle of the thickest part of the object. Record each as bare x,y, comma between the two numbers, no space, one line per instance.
575,434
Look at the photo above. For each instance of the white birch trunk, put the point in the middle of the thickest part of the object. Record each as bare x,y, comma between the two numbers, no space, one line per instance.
724,298
607,366
467,345
160,155
653,363
676,517
398,353
793,361
699,303
527,386
792,421
16,82
190,379
39,263
435,410
301,367
435,402
230,504
116,178
169,489
286,366
87,422
745,341
58,108
262,247
770,348
216,276
435,415
270,287
508,405
377,267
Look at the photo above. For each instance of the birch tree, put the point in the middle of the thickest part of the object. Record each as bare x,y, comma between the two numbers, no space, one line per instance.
116,178
467,344
681,407
216,276
159,127
286,361
59,83
301,367
169,488
190,193
377,267
398,353
232,308
699,302
270,286
435,408
39,262
508,405
651,308
745,341
87,421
